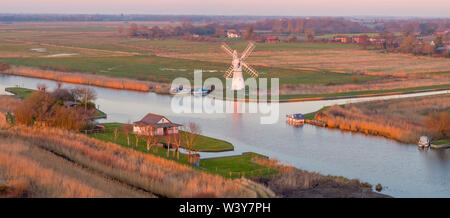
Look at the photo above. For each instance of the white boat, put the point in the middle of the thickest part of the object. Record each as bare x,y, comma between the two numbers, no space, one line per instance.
295,119
180,91
424,142
200,91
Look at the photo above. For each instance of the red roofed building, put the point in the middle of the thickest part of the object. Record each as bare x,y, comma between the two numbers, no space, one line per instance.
155,125
233,34
342,39
272,39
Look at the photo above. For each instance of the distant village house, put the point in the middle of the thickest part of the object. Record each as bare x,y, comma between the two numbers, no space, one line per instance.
272,39
155,125
233,34
342,39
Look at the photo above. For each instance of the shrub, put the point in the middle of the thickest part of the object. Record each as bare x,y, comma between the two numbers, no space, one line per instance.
4,66
438,123
43,109
378,187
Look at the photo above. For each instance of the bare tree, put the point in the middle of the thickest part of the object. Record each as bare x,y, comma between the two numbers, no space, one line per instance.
137,140
116,133
169,141
249,33
84,94
309,35
126,128
190,134
42,87
177,142
150,137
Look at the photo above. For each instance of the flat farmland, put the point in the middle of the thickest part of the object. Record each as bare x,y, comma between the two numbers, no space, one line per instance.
303,68
103,36
162,69
342,60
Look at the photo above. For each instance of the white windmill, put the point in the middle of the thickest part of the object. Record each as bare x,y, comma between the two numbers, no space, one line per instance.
235,70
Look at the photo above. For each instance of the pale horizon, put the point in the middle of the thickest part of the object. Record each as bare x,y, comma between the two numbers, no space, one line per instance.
380,8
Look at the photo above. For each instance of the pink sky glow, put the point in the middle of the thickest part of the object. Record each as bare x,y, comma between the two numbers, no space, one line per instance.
434,8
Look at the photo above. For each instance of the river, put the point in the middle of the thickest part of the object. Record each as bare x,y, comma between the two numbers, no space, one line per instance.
402,169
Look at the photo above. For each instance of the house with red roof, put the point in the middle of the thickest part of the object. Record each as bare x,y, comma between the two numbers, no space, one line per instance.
155,125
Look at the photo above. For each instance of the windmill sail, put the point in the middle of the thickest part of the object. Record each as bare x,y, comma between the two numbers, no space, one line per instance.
229,72
227,49
249,69
248,50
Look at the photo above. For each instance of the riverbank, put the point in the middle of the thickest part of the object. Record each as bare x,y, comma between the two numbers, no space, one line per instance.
291,182
164,88
404,120
89,79
441,144
344,95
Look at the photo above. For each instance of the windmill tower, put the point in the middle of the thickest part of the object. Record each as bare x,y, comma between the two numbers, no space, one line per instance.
237,65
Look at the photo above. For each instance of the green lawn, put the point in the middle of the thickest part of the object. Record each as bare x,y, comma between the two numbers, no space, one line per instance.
22,93
442,142
310,116
204,143
240,165
208,144
108,136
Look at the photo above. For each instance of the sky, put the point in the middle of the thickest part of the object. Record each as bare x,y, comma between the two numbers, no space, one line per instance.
416,8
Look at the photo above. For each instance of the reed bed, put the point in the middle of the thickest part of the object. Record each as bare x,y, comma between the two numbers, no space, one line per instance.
22,177
7,103
400,119
80,78
293,182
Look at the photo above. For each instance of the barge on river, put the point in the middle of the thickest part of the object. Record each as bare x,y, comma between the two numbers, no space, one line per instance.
295,119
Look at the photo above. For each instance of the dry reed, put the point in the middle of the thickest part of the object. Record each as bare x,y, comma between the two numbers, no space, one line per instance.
400,119
22,177
154,174
82,78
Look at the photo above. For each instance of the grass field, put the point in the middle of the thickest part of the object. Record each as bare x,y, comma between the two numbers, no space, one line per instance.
362,93
70,46
162,69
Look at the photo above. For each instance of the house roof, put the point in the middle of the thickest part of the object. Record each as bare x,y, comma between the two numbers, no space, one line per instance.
153,119
271,37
